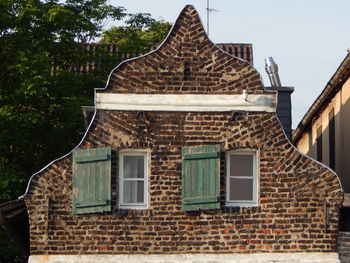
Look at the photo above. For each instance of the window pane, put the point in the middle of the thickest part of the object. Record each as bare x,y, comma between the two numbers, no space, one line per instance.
133,166
241,189
241,165
133,192
140,192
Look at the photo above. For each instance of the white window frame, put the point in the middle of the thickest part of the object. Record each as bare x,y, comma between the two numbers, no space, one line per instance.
133,152
254,201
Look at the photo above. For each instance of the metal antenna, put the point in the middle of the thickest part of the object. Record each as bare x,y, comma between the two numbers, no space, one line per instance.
208,17
208,11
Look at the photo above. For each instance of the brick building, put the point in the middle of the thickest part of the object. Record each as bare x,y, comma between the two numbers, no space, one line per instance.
184,160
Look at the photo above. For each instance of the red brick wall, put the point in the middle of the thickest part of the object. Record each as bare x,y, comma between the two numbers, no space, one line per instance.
294,190
291,215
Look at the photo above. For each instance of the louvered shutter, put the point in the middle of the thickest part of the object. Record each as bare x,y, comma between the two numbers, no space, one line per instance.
200,177
92,180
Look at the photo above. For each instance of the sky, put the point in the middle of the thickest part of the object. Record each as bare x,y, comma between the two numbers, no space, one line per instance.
308,39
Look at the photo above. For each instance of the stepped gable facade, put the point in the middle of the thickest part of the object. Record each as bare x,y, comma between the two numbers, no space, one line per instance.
184,160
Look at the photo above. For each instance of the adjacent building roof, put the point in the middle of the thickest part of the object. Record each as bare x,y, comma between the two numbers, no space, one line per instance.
332,87
240,50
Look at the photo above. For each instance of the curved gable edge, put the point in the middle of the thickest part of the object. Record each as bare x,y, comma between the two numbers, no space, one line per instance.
183,14
313,160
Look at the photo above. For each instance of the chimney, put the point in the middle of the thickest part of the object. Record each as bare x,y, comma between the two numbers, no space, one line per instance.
284,105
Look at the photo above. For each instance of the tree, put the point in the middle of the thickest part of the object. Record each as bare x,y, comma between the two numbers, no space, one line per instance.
40,110
41,93
140,33
40,117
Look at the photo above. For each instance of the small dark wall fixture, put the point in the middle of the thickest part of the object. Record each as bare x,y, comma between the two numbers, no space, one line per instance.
187,71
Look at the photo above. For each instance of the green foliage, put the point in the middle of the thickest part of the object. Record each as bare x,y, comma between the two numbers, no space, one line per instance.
40,108
40,116
41,93
140,33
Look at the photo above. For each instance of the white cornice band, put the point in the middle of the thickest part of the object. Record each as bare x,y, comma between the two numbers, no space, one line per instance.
185,102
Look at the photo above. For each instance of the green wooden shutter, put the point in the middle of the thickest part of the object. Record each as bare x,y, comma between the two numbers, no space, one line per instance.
91,180
200,177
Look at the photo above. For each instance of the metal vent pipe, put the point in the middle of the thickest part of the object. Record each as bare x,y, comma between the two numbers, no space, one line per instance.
272,70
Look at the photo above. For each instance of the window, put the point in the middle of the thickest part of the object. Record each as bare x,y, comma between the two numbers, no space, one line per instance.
241,178
331,139
133,184
310,139
91,180
319,143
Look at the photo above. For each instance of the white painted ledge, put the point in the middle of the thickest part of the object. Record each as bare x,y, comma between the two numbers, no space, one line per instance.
185,102
192,258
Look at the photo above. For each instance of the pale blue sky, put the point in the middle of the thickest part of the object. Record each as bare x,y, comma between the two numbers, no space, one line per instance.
307,38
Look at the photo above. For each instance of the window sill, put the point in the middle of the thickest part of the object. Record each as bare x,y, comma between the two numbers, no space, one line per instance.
133,207
253,204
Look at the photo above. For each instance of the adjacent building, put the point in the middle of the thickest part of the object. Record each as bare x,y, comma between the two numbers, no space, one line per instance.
323,133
